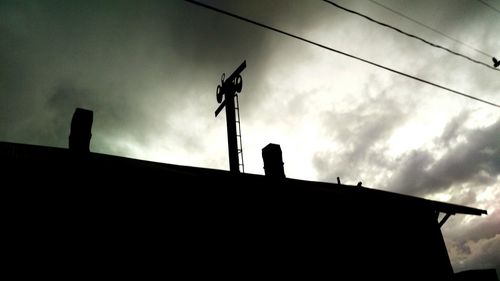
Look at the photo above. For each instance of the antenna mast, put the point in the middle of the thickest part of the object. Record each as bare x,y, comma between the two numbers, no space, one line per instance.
228,89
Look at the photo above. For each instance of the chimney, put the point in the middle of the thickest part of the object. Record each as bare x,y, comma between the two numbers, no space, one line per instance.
80,134
273,161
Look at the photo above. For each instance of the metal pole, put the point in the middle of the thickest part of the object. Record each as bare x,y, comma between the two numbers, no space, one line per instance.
232,141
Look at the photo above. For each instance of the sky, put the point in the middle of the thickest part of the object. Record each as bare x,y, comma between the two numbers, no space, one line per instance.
149,71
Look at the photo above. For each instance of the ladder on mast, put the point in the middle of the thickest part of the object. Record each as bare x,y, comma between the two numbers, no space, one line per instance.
227,97
238,135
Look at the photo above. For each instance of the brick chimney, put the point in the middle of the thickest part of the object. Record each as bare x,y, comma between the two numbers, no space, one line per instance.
80,134
273,161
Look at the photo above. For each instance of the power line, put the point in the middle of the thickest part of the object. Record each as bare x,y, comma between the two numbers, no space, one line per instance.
410,35
488,5
336,51
430,28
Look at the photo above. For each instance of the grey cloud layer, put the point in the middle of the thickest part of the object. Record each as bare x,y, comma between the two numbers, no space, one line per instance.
474,161
135,64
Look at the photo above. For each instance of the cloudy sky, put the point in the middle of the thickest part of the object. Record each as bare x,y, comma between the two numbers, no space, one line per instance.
149,70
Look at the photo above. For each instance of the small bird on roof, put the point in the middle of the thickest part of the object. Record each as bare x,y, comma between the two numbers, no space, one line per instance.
496,62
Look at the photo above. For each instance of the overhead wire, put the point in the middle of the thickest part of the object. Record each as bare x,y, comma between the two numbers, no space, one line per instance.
430,28
411,35
489,6
336,51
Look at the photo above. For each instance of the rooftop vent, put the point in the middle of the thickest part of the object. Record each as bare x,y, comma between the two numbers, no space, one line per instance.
273,161
80,134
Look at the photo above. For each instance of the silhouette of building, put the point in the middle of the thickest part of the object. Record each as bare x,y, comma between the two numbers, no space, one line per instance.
91,214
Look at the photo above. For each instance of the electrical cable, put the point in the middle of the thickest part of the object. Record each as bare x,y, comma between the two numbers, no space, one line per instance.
337,51
411,35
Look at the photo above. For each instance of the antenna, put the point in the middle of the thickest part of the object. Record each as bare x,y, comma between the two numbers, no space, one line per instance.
228,90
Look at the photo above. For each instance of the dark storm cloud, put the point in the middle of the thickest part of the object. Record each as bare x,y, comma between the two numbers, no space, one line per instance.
475,160
134,63
65,54
130,60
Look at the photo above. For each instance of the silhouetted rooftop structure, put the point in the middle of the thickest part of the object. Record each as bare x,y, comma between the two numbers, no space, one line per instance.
100,215
133,212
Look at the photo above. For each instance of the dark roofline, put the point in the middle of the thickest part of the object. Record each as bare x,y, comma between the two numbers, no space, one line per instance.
20,151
